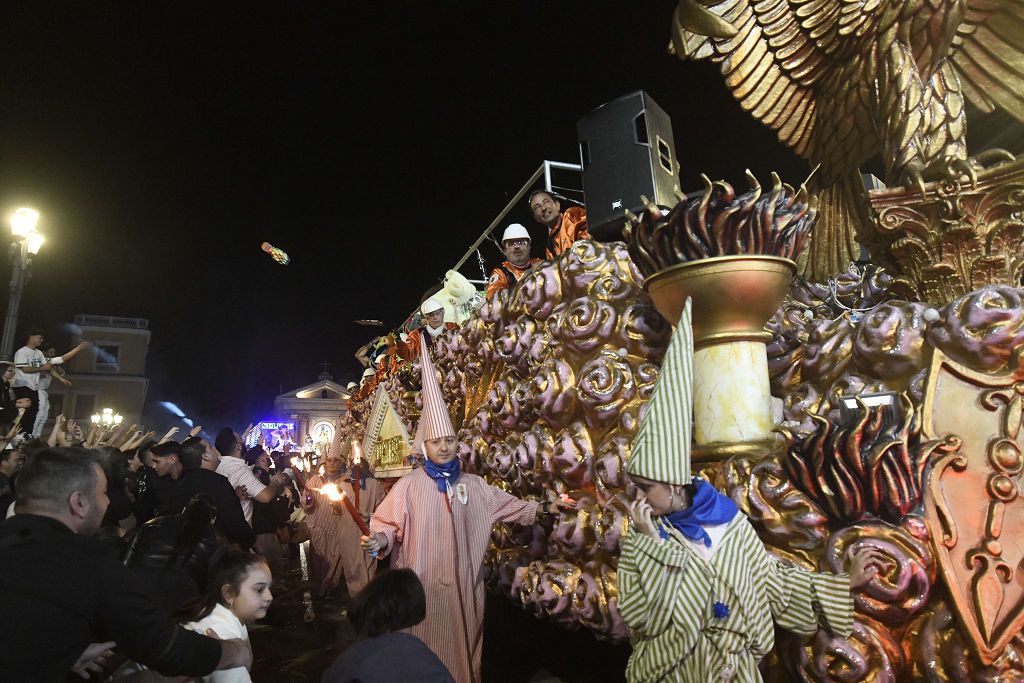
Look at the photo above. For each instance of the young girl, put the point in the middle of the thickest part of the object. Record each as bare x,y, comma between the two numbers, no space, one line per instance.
697,588
238,593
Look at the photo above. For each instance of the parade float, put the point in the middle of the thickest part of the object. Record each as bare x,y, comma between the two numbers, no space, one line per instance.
858,379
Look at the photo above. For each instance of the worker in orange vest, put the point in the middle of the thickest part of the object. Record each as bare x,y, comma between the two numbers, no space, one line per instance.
564,227
515,242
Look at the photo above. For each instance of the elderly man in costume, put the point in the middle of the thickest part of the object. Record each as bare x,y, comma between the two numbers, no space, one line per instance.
515,242
697,588
564,227
437,521
432,328
334,536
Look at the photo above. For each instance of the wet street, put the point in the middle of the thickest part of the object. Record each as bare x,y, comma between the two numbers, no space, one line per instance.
517,647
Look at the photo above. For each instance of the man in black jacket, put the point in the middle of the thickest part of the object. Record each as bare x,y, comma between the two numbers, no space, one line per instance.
184,463
62,590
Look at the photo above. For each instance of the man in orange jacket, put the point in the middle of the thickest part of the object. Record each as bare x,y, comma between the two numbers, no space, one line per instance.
564,227
516,244
432,311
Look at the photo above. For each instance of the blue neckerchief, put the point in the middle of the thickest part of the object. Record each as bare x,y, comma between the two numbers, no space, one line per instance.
708,507
443,474
362,477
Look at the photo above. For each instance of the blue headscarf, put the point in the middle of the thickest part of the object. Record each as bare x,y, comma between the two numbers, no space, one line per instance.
443,474
707,508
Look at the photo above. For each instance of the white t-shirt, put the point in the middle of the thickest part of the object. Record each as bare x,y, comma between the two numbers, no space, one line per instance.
226,625
44,377
27,358
239,474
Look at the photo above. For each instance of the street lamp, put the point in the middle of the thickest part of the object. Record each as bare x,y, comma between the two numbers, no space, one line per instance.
26,244
107,417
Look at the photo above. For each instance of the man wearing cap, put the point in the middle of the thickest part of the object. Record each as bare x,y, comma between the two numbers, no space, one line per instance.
433,325
564,227
437,521
697,588
516,245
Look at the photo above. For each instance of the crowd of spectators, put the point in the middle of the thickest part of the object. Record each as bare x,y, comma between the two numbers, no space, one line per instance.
154,555
124,556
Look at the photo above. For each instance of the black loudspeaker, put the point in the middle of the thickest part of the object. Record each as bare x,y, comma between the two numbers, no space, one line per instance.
627,151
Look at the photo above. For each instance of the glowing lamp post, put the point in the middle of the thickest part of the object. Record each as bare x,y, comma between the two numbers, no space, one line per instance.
107,418
26,244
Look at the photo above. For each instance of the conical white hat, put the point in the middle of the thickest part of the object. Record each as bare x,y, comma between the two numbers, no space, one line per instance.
661,448
435,421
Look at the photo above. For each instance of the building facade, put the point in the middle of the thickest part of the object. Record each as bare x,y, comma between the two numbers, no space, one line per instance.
314,409
111,373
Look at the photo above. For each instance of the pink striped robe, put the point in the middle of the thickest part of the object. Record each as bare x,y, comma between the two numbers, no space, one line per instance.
359,567
421,535
335,538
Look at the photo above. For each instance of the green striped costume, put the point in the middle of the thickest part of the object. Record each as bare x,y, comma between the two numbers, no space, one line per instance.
667,592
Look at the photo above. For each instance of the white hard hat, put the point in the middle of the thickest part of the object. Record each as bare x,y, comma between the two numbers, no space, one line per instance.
516,231
367,372
431,305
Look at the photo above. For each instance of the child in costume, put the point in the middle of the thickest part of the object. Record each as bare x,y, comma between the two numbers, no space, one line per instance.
697,588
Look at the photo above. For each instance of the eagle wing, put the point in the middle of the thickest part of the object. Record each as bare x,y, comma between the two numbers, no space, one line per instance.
988,55
782,58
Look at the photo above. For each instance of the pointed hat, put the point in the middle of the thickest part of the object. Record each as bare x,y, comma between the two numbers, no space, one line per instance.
661,448
435,422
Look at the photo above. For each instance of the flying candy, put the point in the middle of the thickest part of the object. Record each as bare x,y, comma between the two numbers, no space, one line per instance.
278,255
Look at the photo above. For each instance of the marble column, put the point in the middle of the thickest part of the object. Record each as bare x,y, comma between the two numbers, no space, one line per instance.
731,393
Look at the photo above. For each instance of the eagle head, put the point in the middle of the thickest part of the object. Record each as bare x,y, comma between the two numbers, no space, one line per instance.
695,23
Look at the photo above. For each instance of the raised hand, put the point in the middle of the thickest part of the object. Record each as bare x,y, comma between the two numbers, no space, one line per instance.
170,433
195,431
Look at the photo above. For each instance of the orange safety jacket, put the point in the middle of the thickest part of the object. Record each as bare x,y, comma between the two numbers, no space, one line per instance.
572,226
410,348
506,275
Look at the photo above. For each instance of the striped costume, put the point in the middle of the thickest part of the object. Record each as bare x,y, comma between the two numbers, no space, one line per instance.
701,609
667,596
357,564
334,538
446,551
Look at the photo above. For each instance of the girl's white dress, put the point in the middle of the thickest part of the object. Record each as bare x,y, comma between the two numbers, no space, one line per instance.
226,625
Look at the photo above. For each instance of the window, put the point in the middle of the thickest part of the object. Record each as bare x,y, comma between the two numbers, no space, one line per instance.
85,406
107,356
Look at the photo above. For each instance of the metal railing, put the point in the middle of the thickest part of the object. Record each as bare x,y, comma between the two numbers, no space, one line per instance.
88,320
543,170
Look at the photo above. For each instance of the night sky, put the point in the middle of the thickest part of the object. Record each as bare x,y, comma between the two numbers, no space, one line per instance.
163,142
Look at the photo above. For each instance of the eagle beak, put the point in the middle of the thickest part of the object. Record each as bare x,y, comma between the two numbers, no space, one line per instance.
692,16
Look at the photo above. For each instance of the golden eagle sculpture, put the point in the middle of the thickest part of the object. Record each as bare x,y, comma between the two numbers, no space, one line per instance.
843,80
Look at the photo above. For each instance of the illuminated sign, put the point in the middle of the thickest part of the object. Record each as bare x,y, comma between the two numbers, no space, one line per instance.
270,426
263,427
